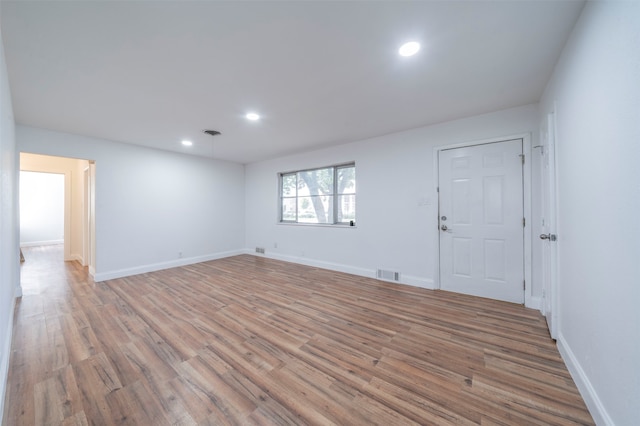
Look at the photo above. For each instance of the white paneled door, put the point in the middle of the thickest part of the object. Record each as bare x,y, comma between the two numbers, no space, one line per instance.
481,220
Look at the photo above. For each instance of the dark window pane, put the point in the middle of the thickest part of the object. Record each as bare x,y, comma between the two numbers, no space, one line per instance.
318,209
289,209
346,208
289,185
346,180
316,182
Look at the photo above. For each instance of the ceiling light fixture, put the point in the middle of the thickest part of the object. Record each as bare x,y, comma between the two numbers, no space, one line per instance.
187,143
409,49
252,116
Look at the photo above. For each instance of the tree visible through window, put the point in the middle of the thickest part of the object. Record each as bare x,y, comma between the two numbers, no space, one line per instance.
325,195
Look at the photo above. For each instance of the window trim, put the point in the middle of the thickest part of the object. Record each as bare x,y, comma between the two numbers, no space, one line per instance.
334,194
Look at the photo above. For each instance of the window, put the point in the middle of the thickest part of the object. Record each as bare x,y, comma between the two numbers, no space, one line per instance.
326,195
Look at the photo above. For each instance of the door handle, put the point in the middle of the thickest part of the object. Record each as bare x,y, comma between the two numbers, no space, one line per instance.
550,237
444,228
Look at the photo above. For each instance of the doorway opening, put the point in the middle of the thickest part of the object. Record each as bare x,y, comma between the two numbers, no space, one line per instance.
57,208
41,208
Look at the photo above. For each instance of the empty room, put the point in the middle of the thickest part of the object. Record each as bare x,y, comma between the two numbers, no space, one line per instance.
320,212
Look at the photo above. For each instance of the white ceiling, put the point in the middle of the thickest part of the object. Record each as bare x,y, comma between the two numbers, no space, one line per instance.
319,72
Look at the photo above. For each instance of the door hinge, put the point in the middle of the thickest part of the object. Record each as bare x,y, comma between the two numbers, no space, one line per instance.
524,222
522,157
524,285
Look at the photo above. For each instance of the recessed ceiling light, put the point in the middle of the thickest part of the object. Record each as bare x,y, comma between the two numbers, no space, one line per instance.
252,116
409,49
187,143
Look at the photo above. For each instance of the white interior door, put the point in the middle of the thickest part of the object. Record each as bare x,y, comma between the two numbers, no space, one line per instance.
549,250
481,220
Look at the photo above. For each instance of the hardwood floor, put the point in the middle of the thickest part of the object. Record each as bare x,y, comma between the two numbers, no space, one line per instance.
248,340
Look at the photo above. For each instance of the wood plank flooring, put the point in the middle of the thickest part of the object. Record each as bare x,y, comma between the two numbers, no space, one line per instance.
252,341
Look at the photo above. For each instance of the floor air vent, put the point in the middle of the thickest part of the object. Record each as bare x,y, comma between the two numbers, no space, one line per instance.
388,275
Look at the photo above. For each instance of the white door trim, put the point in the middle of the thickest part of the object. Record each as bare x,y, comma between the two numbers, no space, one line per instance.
530,301
550,304
85,217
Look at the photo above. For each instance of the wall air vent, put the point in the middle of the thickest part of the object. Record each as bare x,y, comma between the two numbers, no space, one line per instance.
212,132
388,275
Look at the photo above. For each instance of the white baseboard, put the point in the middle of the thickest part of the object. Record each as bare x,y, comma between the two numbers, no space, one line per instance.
6,356
41,243
316,263
427,283
591,399
120,273
353,270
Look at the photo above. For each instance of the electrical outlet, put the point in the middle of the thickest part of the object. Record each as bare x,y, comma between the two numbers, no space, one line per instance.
179,255
275,245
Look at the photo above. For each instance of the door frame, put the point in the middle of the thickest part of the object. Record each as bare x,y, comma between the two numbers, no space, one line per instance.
529,300
86,237
89,214
548,193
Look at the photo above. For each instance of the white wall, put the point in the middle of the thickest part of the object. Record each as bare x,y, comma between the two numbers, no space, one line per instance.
395,174
41,208
152,204
9,255
596,85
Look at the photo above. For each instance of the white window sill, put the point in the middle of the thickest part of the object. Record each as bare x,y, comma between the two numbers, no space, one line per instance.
319,225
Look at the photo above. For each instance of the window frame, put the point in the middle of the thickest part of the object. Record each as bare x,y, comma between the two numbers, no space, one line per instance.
335,196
